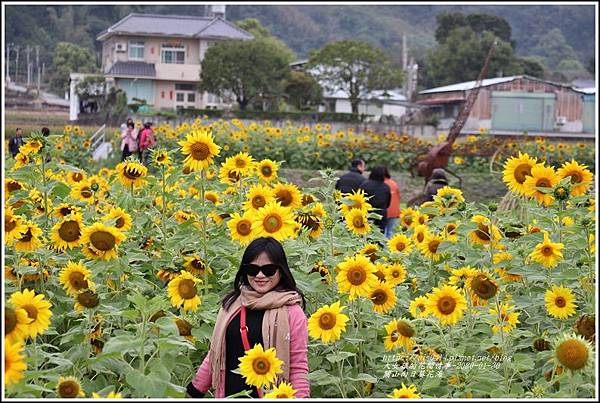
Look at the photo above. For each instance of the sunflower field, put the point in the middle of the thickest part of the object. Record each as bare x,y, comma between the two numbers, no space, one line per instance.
113,276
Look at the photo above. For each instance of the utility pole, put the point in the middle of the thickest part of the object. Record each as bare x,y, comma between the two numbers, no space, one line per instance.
8,62
17,66
43,71
28,69
37,65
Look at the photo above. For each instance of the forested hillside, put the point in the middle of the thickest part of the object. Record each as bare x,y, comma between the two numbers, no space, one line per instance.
553,32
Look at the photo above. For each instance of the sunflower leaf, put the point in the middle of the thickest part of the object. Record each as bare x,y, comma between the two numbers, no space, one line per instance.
339,356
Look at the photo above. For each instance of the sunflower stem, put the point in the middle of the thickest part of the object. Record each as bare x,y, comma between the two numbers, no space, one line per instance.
45,192
572,384
143,344
204,252
560,214
164,201
132,196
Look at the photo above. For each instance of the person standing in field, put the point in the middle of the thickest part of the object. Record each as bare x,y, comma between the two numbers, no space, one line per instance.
129,139
351,180
15,142
379,194
393,212
147,141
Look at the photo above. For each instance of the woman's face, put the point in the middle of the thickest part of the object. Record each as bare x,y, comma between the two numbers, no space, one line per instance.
260,282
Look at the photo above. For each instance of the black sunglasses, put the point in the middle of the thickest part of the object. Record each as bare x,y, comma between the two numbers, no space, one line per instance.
268,270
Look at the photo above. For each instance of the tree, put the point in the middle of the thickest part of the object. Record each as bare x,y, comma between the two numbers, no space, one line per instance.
249,69
591,65
303,91
446,22
554,47
532,66
478,22
355,68
462,56
70,58
254,26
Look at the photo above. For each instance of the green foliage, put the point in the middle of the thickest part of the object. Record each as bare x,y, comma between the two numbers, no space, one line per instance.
254,26
70,58
591,65
354,67
532,67
303,91
554,48
250,70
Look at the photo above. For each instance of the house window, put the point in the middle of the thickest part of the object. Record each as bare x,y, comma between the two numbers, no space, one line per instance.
172,54
136,50
184,87
191,97
180,97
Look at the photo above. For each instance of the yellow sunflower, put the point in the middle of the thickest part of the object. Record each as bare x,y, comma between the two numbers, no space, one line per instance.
399,333
74,177
183,291
581,177
14,362
327,323
240,228
282,391
258,196
121,219
260,367
541,176
429,247
356,222
483,235
199,148
161,158
317,213
75,277
267,170
516,171
195,265
560,302
37,308
14,226
228,175
357,200
356,276
447,304
20,161
13,185
66,234
212,197
103,240
86,299
572,351
418,307
420,232
64,209
111,395
69,387
131,173
459,277
288,195
547,253
449,233
274,221
30,239
15,324
448,198
383,297
481,287
242,163
405,392
508,318
399,243
395,274
83,191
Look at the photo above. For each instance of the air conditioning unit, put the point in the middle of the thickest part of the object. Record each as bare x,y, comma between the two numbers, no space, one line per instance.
121,47
561,120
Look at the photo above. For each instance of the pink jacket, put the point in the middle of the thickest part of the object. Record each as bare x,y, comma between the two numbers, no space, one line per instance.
129,137
298,359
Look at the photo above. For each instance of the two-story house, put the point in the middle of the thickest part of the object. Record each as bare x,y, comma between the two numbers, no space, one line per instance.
158,57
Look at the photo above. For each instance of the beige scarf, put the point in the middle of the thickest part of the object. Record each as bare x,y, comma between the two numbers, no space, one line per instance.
275,326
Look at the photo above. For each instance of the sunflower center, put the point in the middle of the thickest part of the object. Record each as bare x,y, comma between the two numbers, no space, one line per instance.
547,251
187,288
69,231
211,198
77,280
88,299
12,186
327,321
395,273
420,237
379,297
560,302
272,223
9,223
358,222
103,240
197,264
483,287
131,173
86,192
260,366
356,276
284,197
233,176
575,177
120,222
446,305
240,163
421,307
266,170
27,237
161,158
32,311
243,227
258,201
65,211
68,389
483,232
572,354
394,336
408,221
184,327
451,229
405,329
400,246
521,172
77,177
200,151
543,182
10,320
433,246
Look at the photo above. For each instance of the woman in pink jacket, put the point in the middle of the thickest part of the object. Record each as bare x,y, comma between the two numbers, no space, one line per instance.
128,141
266,289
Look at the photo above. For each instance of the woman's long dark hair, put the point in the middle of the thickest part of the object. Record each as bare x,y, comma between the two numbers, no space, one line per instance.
378,174
277,255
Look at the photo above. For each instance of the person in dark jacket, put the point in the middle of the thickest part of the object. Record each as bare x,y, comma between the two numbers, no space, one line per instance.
15,142
380,194
437,181
351,180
